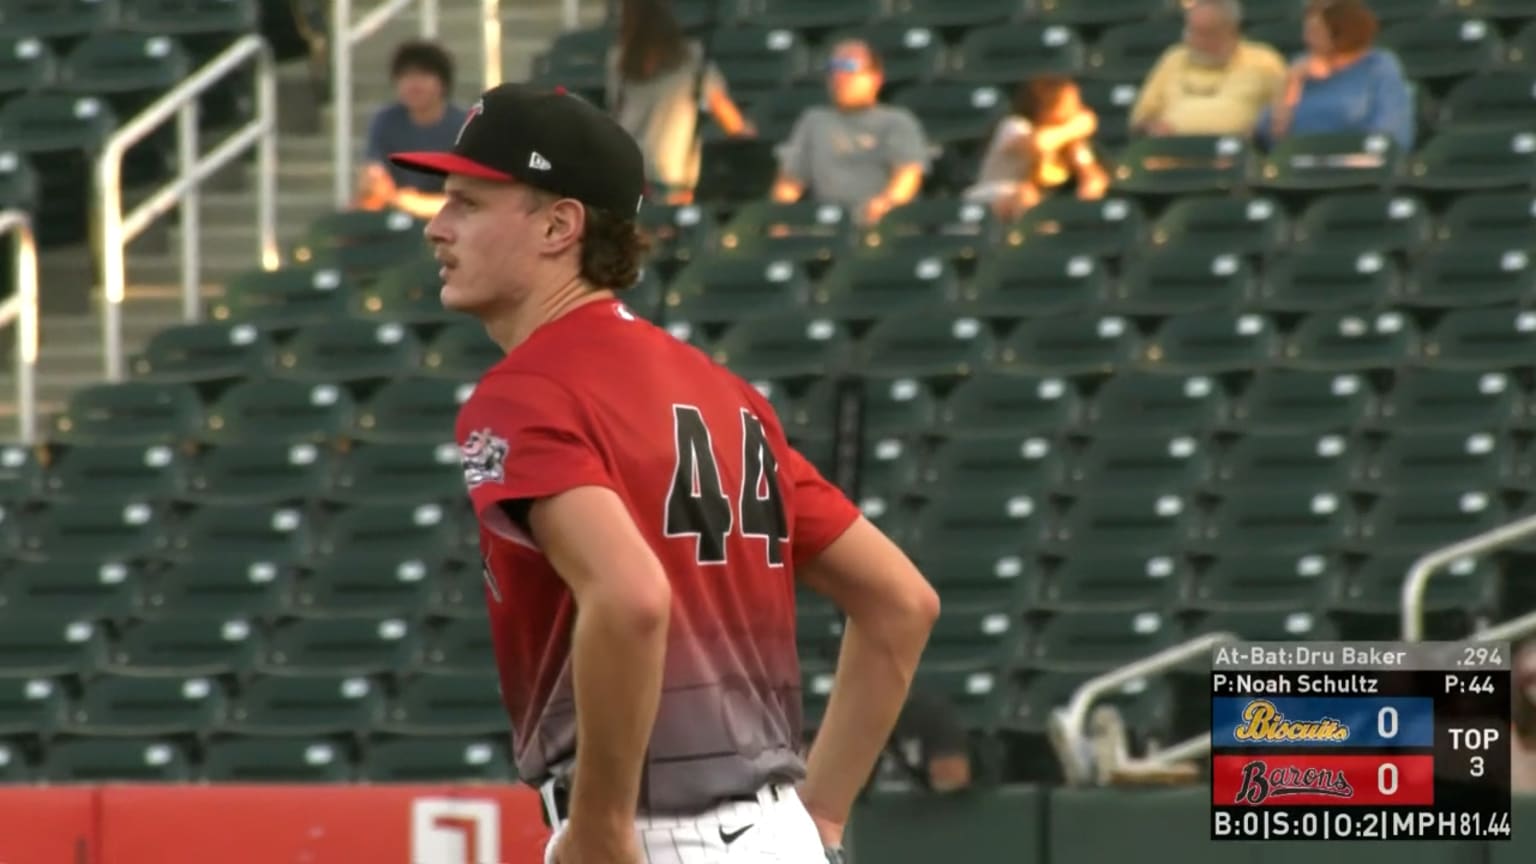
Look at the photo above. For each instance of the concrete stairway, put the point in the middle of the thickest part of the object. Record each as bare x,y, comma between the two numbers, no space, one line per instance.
70,354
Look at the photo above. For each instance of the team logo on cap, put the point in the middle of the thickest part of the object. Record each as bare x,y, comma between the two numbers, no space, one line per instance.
482,456
474,111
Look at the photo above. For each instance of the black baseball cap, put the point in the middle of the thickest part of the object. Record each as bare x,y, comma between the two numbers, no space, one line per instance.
549,139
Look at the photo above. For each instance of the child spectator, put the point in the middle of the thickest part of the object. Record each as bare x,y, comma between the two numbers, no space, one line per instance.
1045,142
421,118
1214,83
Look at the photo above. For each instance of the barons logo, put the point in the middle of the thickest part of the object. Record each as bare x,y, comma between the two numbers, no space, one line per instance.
1262,721
482,454
1260,782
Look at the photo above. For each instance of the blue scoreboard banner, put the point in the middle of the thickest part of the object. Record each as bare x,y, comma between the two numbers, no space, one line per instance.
1322,721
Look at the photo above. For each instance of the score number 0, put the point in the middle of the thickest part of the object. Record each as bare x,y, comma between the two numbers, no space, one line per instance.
1386,727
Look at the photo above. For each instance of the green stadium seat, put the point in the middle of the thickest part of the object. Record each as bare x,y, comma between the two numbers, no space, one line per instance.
1469,274
243,533
1398,10
1151,402
20,472
1213,341
1282,520
866,288
277,410
1327,279
139,760
1426,399
407,529
1326,162
1375,220
438,759
27,63
970,639
30,707
14,766
803,231
1133,462
1120,580
935,226
775,112
1143,522
1025,282
910,52
577,59
786,345
340,646
1004,55
214,585
932,344
76,588
998,522
1083,343
97,530
233,759
1423,519
896,408
1522,45
185,645
408,294
362,243
810,14
348,351
288,297
1493,337
35,646
228,18
1000,463
1100,12
129,412
965,13
1223,224
991,403
1095,641
1490,219
1352,341
1301,460
675,231
1439,48
204,353
1457,160
1182,165
461,351
1128,50
886,477
1066,224
1422,461
1300,622
59,21
129,70
363,585
953,113
1264,581
138,705
1112,102
413,410
258,472
447,705
1492,97
1164,280
1375,586
284,705
412,472
60,134
114,471
978,694
718,290
758,56
18,182
976,579
461,646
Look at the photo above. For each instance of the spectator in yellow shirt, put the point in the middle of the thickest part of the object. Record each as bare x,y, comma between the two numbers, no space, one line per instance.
1214,83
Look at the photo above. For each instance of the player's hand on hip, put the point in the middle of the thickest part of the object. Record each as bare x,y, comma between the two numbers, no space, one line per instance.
578,846
831,832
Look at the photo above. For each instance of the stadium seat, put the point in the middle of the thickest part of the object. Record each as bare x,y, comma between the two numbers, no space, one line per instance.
1284,520
413,410
19,182
1133,462
21,469
1223,225
1164,280
1375,585
348,351
1493,337
949,13
1301,622
225,18
1073,344
866,288
1001,463
910,53
447,705
61,22
926,344
1326,162
803,231
409,529
1457,160
886,476
30,707
1112,101
991,403
1212,342
1064,223
1469,274
1350,341
185,646
283,705
136,705
976,579
76,587
363,585
1182,165
972,639
462,646
139,760
438,759
810,14
897,408
214,585
1522,45
362,244
27,63
413,472
954,114
288,297
409,294
759,56
1420,461
1090,580
129,70
717,290
204,353
114,471
1014,282
1004,55
129,412
1354,221
999,522
1492,97
233,759
338,646
1425,399
1100,12
1312,279
577,60
1095,641
1490,220
675,230
1151,402
97,530
1145,521
1421,520
257,472
1127,51
461,351
785,345
1286,460
274,410
1433,49
1264,581
60,134
242,533
954,229
35,646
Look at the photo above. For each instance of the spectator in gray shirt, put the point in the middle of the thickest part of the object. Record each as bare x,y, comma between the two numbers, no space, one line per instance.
865,156
420,118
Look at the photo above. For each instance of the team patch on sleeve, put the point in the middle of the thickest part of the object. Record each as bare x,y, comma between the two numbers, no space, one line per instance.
483,455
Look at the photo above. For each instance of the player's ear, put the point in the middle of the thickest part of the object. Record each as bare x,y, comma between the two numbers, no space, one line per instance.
565,220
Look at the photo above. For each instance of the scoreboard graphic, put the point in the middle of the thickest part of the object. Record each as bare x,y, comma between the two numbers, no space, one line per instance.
1360,741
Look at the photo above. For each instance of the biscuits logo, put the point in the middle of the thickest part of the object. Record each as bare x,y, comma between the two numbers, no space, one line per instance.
1263,723
483,454
1261,782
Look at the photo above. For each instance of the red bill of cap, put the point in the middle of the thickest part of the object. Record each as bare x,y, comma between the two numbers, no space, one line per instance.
447,163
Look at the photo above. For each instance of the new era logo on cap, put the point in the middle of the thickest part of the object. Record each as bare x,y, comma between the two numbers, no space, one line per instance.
538,162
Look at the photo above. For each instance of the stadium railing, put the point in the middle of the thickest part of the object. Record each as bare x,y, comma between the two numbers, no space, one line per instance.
20,310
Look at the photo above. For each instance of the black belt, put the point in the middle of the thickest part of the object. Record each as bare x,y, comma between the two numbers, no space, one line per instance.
561,795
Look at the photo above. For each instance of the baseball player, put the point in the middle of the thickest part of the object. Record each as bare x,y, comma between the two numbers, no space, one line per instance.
643,522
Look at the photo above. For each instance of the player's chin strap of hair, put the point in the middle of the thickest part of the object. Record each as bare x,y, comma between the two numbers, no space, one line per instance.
836,855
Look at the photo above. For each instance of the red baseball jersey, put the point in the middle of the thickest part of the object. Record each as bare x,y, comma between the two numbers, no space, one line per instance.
601,397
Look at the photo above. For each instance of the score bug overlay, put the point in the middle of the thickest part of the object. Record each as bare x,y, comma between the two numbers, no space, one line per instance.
1369,741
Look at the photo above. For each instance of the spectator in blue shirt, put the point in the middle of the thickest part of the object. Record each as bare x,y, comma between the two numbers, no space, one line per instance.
1342,83
420,118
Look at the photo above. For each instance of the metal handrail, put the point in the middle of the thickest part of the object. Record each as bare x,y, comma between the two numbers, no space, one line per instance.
1069,724
1417,583
21,309
345,36
490,40
117,229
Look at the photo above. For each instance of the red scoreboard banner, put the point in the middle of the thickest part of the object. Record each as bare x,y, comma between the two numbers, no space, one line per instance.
1313,778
